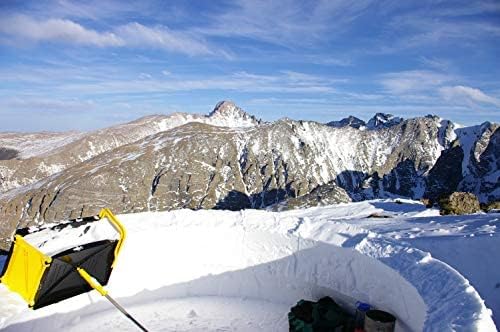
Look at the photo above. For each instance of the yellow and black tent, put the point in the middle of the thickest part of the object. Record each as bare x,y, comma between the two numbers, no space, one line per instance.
50,264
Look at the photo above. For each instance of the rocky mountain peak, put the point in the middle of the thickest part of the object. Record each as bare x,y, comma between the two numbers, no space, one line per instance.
351,121
383,120
227,113
226,107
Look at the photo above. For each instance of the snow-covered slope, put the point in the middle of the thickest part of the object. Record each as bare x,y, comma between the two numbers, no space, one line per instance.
34,144
218,270
40,155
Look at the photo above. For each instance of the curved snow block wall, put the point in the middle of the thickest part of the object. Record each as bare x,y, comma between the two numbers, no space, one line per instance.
197,260
311,274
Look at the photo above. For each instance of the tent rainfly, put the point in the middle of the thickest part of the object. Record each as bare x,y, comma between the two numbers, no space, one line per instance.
51,264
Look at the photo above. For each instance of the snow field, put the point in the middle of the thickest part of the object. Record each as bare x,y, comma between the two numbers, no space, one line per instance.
223,271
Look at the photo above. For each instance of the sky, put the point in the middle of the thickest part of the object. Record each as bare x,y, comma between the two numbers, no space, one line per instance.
84,65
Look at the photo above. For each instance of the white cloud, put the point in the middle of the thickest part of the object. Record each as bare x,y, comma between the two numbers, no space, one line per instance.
136,34
47,104
56,30
284,82
286,22
326,60
467,94
299,77
130,35
107,80
413,81
423,28
434,88
145,76
469,8
89,9
436,63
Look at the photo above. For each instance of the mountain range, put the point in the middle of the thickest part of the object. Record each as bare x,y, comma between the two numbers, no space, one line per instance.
229,159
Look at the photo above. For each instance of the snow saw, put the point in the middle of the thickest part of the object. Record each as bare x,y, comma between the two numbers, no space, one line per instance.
49,264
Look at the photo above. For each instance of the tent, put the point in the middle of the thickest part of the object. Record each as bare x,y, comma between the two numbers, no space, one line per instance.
53,263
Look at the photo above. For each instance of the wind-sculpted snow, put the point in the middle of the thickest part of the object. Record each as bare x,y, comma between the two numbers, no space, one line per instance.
207,261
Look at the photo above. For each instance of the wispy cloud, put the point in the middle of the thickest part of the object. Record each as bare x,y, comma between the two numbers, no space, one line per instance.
161,37
468,95
413,81
285,82
287,22
434,88
468,8
436,63
89,10
30,103
107,80
132,35
61,30
326,60
446,24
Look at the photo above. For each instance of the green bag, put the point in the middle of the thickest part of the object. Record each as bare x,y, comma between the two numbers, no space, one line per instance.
322,316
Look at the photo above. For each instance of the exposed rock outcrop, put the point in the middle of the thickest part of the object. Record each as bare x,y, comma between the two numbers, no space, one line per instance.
459,203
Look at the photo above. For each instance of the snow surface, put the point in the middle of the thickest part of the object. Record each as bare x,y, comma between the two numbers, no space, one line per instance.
468,136
52,240
37,144
225,271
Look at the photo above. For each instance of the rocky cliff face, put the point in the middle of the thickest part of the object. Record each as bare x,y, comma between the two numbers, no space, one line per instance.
383,120
230,160
350,121
380,120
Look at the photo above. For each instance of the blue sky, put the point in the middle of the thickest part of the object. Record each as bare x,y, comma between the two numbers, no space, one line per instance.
80,65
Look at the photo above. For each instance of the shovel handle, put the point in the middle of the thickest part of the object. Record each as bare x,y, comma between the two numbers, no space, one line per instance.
98,287
92,282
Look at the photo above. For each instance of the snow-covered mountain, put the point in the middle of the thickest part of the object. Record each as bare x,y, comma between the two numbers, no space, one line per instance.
351,121
230,160
227,114
31,157
379,120
382,120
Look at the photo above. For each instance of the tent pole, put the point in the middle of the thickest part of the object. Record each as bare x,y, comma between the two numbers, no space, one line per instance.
98,287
